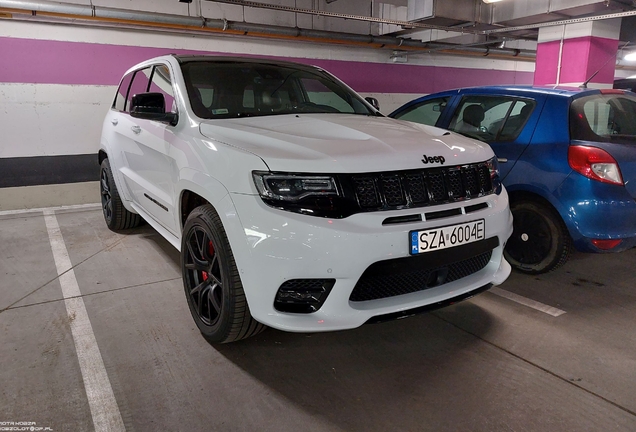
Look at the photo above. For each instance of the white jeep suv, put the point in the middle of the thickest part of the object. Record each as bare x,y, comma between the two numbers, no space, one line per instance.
294,202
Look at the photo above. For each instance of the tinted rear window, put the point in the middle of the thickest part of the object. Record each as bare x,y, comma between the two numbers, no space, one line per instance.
604,118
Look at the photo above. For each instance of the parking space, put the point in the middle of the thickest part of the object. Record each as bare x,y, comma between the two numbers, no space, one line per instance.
487,364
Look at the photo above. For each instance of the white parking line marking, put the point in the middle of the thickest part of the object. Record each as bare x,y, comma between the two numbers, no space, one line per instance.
50,209
101,400
527,302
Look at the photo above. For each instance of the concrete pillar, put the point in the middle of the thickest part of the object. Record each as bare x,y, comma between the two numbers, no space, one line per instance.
569,55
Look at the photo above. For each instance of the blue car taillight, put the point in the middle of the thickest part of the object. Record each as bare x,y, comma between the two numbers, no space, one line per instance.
595,163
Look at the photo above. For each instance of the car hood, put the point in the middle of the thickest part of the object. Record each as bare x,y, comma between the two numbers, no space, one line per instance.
339,143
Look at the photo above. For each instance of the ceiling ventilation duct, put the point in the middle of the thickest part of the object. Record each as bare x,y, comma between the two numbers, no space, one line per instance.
516,13
443,13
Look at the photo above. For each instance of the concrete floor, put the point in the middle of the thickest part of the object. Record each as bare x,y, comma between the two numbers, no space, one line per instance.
487,364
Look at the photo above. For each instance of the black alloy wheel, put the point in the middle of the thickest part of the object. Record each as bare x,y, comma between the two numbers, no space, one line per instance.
107,199
211,280
540,241
204,277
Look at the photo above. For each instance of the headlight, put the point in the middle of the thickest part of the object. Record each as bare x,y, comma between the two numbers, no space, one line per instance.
310,194
292,187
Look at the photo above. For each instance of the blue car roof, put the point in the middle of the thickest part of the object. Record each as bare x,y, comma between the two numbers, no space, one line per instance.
564,92
518,90
561,91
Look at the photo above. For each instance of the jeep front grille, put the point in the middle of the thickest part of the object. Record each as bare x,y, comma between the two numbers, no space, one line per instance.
380,191
395,190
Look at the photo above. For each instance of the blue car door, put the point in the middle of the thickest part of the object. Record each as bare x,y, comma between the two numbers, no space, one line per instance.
506,121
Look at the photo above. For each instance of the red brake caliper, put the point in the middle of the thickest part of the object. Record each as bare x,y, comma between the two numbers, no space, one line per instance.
211,251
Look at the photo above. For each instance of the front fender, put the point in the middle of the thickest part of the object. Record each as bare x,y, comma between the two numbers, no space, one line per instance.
214,192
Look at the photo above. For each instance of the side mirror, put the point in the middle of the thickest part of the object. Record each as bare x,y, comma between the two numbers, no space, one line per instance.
151,106
374,102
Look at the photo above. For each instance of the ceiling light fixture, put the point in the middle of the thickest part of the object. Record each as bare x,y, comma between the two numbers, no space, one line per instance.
630,56
491,1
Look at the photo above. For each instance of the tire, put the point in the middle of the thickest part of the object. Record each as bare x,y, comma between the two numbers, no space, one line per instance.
115,214
540,241
211,280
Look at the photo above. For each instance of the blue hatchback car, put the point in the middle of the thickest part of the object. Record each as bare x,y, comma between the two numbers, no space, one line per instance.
567,158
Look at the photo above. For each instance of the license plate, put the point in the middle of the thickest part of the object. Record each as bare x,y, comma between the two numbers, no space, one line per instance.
447,237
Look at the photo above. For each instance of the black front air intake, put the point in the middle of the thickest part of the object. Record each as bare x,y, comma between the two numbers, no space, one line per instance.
303,295
400,276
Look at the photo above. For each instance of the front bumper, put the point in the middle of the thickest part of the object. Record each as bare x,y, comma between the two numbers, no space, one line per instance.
272,246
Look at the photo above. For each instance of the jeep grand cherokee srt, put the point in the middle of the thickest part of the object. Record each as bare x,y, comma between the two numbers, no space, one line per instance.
293,202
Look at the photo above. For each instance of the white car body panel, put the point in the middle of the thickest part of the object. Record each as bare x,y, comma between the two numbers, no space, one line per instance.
215,159
282,248
343,143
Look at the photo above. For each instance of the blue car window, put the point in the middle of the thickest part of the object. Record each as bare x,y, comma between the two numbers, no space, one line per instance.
427,112
491,118
516,120
604,118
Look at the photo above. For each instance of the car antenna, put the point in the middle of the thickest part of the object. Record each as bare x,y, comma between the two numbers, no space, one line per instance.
584,85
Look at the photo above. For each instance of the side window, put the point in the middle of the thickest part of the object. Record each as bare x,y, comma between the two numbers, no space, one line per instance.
491,118
140,83
427,112
161,83
120,98
517,119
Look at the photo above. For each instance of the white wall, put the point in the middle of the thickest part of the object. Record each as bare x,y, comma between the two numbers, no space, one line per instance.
51,119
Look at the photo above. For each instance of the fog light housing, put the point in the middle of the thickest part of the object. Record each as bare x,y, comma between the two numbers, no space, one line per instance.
606,244
303,295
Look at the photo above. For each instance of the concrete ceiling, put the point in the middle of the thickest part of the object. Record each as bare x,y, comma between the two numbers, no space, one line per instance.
455,24
477,22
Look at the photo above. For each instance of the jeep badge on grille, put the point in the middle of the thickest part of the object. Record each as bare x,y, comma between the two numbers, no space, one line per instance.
433,159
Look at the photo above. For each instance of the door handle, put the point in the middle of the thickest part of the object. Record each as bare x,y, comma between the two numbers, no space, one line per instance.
114,122
136,129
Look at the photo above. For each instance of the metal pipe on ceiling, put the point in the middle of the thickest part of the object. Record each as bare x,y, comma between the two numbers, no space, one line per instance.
120,18
293,9
414,24
562,22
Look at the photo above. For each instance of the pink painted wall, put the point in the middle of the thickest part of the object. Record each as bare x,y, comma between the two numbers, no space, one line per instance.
602,56
55,62
545,71
581,58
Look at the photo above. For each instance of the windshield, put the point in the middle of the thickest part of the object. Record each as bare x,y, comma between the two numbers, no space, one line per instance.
609,117
235,89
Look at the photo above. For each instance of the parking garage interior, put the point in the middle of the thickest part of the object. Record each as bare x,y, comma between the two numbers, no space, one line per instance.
96,332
